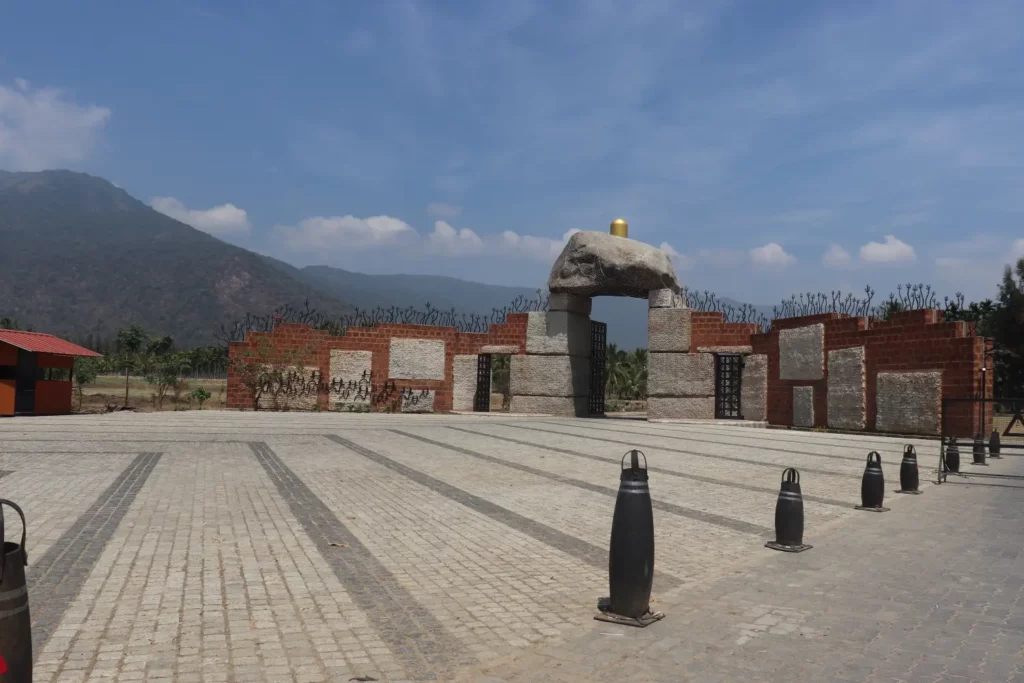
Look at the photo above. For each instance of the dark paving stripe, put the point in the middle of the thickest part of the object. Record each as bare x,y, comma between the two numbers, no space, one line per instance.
127,439
637,444
56,578
129,452
688,513
719,442
582,550
421,642
778,434
658,470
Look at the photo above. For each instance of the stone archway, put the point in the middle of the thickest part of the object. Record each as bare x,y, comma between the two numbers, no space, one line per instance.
553,377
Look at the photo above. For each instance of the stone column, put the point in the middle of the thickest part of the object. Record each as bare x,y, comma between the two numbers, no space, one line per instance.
680,384
553,377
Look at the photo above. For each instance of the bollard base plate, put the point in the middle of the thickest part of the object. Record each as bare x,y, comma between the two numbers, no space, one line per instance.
788,548
918,492
980,464
877,509
646,619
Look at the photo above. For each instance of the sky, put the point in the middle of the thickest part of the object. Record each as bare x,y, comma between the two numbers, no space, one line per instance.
769,148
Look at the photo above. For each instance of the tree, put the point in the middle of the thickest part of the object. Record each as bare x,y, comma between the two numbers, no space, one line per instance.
130,342
200,396
887,309
9,324
165,372
1006,326
84,372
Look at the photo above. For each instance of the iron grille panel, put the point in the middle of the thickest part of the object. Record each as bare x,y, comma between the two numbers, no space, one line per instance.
598,343
728,373
482,400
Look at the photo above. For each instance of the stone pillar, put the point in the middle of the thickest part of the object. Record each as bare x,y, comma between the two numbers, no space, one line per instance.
553,377
680,384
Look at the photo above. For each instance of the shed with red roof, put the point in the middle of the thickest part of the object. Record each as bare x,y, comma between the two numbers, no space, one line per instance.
28,383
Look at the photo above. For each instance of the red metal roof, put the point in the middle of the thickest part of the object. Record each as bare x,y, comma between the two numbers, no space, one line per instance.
44,343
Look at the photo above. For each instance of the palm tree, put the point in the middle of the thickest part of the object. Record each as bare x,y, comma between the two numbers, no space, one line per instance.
615,369
131,342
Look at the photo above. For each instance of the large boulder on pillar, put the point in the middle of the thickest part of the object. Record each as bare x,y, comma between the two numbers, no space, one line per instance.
596,264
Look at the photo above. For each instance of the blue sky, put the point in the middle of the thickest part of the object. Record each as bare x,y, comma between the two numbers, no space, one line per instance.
770,147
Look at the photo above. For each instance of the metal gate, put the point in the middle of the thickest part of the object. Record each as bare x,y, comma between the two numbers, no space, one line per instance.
728,373
976,429
482,399
598,344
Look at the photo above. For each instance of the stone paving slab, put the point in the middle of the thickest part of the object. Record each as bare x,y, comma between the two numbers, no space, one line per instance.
234,546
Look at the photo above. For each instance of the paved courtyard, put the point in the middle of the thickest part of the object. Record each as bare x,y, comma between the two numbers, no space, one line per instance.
221,546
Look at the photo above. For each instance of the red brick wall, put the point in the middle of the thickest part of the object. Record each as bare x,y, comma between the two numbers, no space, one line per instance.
910,340
710,329
314,348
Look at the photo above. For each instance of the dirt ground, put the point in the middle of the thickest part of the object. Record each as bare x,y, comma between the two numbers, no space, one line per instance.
107,391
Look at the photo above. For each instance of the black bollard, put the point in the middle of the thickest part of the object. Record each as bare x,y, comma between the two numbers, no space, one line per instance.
994,445
789,515
872,485
631,551
15,624
979,452
909,475
952,456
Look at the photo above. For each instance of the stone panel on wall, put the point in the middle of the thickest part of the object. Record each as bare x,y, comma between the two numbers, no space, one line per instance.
668,329
416,359
908,402
802,353
559,406
803,406
418,401
352,370
464,381
306,400
681,408
681,374
847,389
550,376
558,333
754,388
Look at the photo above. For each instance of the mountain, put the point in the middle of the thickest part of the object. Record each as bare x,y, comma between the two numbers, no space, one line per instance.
79,256
370,291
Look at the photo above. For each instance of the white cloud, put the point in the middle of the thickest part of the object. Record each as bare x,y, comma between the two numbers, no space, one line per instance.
346,232
41,128
447,240
226,219
836,257
442,210
541,248
890,251
679,260
772,255
1018,248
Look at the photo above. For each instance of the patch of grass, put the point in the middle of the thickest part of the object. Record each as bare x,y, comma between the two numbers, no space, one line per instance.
107,390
